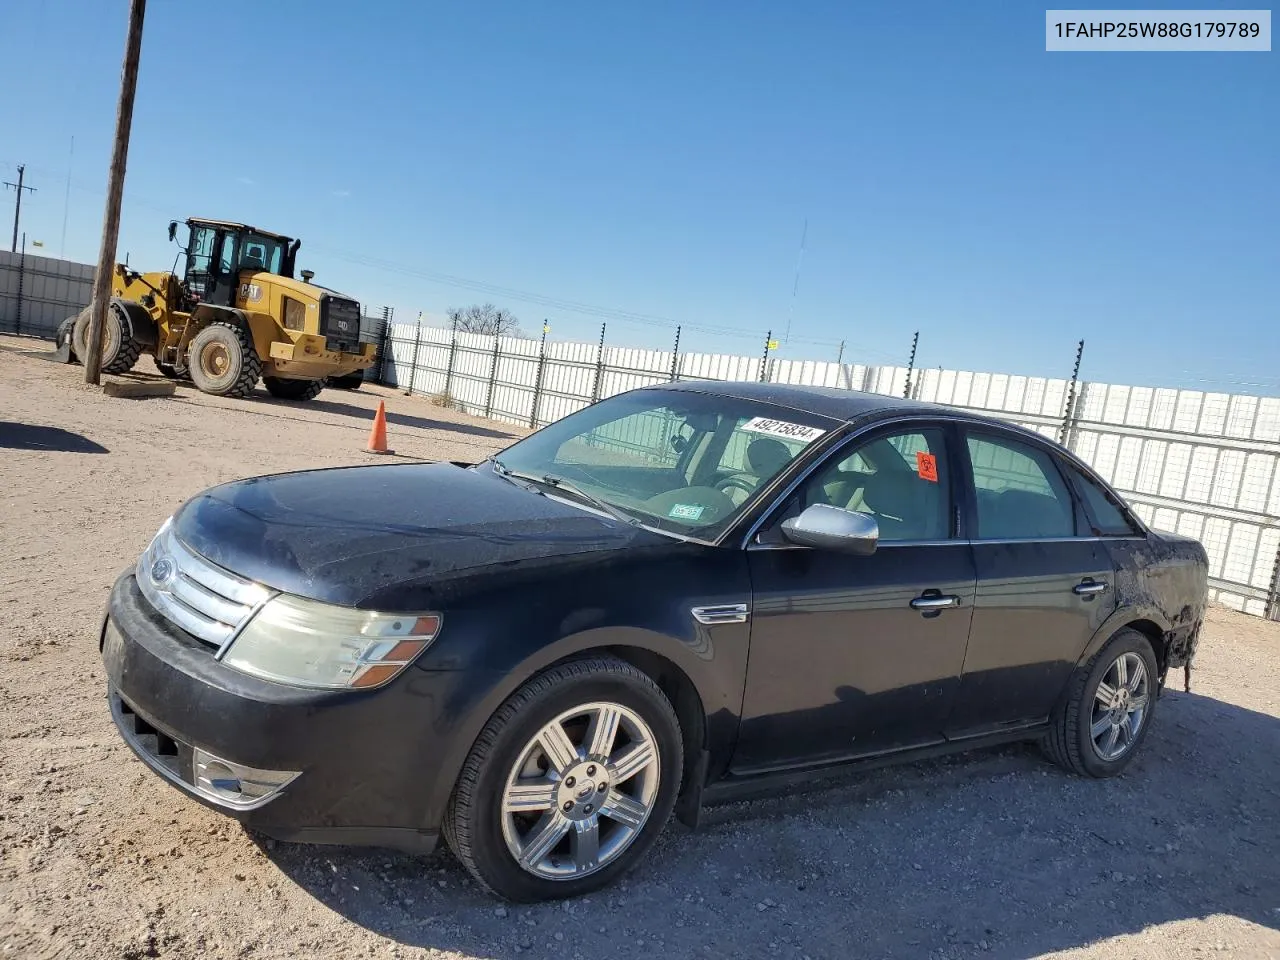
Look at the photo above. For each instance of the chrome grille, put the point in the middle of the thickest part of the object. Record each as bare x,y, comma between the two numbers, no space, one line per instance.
208,602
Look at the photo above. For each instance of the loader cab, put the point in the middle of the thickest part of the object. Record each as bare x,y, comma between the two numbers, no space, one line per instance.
218,252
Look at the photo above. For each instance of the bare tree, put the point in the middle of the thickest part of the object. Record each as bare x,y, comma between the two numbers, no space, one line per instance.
486,319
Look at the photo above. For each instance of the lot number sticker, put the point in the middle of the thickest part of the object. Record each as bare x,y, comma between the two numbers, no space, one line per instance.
927,466
781,428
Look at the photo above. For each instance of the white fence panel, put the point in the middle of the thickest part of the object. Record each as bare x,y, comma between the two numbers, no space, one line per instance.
1202,464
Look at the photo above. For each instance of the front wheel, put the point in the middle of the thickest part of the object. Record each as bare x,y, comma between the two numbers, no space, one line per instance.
569,784
223,362
1107,710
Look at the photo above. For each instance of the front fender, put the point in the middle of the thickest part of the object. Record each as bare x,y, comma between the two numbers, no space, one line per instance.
474,703
142,327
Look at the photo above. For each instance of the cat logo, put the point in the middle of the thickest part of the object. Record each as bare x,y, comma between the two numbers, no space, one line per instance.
251,292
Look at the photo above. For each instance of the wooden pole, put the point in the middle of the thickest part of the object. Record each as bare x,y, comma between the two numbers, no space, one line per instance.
115,190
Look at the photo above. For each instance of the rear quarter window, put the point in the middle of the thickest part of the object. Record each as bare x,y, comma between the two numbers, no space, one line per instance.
1106,516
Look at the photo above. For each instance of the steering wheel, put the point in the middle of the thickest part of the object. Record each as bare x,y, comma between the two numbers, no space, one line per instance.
739,481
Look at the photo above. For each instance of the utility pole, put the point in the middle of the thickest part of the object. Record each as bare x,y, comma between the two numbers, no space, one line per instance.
17,210
115,190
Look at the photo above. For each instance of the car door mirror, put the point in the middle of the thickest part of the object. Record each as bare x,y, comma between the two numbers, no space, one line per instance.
825,527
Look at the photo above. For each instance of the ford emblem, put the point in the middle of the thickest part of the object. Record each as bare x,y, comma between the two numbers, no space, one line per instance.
162,571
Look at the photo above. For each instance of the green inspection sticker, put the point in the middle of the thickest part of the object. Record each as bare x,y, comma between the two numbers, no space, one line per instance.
686,511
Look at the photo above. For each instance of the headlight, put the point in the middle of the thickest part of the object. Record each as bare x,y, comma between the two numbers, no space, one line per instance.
312,644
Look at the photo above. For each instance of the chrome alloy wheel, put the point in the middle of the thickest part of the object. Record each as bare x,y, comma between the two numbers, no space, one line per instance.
580,791
1120,707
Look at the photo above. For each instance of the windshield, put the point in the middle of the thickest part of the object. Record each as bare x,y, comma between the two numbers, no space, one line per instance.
261,253
678,461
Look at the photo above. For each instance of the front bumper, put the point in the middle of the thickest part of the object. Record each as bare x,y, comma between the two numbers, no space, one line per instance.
361,760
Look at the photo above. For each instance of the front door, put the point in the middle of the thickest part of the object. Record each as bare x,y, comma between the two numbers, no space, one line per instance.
853,656
1045,585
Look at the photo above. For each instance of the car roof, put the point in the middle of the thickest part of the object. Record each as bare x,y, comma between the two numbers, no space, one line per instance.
833,403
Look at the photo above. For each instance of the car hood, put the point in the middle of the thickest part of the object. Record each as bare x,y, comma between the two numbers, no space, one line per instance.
388,537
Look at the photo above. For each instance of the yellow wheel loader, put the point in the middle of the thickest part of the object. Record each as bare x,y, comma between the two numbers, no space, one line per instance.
236,314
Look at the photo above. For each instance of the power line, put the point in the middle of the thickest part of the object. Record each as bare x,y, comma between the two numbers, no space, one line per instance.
550,302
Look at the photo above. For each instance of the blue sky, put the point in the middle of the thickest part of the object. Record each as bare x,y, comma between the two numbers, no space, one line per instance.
660,160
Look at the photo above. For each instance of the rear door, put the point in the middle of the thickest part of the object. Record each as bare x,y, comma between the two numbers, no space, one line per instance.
1044,582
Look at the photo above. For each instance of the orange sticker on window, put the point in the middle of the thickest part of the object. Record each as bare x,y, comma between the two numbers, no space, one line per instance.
927,466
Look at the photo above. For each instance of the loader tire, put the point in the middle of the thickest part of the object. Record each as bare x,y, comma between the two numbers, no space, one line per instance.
300,390
173,372
223,362
66,337
120,351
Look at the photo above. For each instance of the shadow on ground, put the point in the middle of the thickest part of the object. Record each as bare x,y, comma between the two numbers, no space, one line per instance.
993,854
29,436
342,408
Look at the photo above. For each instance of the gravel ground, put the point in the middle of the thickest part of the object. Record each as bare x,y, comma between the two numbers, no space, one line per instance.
994,854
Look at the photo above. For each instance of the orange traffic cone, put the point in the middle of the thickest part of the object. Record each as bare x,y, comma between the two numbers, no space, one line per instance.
378,435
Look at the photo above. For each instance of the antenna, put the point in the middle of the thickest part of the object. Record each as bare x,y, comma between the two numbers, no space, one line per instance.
66,201
786,336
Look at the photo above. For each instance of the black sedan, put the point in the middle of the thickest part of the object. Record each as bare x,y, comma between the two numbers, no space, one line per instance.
677,595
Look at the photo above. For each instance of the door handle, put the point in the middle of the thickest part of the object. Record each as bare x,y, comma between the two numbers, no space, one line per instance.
1089,588
934,602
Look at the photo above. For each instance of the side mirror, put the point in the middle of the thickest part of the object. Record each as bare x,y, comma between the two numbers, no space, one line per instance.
826,527
173,230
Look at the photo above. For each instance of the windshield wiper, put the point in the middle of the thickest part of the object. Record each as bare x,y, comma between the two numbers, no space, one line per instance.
560,483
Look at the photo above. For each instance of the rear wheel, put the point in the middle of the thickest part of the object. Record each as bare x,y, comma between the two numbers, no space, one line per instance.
223,362
569,784
120,351
293,389
351,381
1102,720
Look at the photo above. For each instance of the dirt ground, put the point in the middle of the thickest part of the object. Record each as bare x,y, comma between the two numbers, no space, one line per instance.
995,854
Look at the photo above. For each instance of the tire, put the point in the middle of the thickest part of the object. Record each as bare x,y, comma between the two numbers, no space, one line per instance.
120,351
223,362
486,838
301,390
66,336
1070,742
351,381
173,372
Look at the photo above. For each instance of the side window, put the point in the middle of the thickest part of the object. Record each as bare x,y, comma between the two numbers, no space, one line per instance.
200,249
901,479
1108,516
1020,493
227,254
295,314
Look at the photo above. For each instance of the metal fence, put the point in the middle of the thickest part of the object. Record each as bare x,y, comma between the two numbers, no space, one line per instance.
38,293
1202,464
